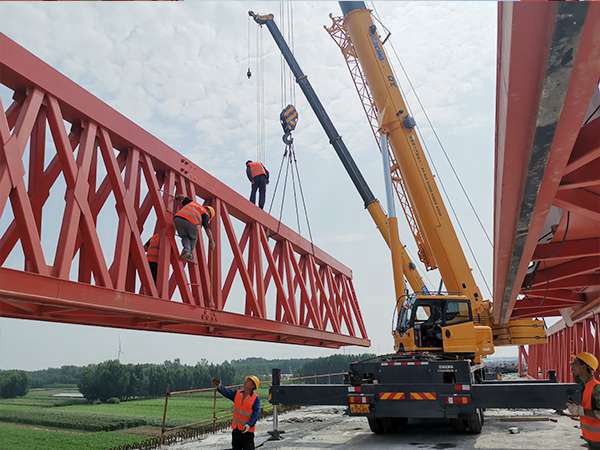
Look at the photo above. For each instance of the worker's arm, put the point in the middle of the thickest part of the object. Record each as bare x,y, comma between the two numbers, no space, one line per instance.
268,174
595,411
249,174
255,413
206,226
225,392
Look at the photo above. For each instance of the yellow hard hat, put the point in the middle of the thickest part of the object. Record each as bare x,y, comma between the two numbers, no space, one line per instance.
254,379
211,211
588,359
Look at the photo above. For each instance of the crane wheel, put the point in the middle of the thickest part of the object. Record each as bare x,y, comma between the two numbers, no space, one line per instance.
471,424
376,425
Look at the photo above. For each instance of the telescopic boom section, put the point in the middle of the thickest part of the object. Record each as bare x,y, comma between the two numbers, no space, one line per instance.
407,269
395,121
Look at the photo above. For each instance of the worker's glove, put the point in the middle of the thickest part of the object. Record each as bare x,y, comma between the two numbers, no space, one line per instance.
216,382
575,409
246,428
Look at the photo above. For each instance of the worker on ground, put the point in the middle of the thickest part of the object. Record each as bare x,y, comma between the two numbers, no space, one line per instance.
152,248
583,366
258,175
246,409
186,223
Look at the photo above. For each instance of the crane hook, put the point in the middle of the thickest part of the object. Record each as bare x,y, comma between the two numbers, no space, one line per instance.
248,74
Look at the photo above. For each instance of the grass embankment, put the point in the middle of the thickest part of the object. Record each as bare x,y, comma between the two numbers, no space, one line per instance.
40,420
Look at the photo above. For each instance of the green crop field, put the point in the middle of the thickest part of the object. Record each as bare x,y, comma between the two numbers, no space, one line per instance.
41,420
32,438
183,409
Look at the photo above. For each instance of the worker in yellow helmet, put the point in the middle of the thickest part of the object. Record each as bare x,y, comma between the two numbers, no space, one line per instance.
246,409
584,365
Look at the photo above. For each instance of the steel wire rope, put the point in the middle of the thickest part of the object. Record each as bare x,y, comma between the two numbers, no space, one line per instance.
304,203
294,187
454,213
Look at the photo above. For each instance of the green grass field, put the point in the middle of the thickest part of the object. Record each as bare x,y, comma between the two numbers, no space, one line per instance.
40,420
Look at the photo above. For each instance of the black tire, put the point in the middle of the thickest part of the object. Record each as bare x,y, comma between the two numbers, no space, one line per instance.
376,425
474,423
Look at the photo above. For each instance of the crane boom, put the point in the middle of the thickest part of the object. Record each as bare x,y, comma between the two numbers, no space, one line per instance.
422,190
403,266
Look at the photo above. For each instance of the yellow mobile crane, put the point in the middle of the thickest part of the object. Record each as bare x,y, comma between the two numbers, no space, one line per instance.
440,340
427,322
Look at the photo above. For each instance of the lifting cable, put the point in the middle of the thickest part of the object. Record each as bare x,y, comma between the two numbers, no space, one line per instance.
454,213
288,119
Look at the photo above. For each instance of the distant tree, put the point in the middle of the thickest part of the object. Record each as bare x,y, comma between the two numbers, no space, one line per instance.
13,383
105,380
51,376
331,364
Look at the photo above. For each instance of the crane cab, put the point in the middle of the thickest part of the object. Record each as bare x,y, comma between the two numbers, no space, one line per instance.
441,323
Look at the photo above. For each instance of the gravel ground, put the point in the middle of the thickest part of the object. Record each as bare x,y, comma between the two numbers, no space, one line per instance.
317,428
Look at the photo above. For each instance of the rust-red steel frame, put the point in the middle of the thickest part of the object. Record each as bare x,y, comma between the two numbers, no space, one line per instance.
547,159
563,343
56,134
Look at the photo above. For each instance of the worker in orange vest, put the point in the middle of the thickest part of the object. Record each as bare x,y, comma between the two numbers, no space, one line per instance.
186,222
246,409
258,175
152,248
583,366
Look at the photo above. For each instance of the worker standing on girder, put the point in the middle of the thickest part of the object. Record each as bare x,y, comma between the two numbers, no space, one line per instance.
258,175
152,248
583,366
186,223
246,409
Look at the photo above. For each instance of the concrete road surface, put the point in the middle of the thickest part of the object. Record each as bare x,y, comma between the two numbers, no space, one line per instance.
317,428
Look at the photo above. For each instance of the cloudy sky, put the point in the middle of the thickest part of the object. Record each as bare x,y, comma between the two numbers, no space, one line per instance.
179,71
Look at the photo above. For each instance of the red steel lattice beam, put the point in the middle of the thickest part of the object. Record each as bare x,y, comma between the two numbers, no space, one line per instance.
547,184
563,343
277,288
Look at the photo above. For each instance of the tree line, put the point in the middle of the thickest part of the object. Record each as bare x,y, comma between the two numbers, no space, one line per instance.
111,380
13,383
114,380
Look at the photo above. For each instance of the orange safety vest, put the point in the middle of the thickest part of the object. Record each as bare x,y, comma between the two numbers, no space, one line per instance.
152,251
256,169
242,411
192,212
590,426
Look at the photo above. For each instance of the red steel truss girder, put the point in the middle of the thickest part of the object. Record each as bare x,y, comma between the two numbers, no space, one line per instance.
562,344
544,156
312,300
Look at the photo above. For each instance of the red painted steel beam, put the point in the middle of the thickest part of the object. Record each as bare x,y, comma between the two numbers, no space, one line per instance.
580,201
21,68
563,343
564,295
567,249
565,270
94,303
312,299
579,281
541,304
587,147
550,48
